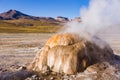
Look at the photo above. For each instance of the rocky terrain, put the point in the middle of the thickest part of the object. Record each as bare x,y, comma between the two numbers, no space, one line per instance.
18,50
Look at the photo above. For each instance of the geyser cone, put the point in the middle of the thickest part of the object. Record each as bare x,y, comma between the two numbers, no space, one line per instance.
69,53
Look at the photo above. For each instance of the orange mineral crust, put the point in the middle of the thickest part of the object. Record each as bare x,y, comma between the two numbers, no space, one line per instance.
69,53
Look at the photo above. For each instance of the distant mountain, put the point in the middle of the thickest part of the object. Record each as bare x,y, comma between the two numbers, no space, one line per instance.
76,19
63,19
14,21
1,18
49,19
14,14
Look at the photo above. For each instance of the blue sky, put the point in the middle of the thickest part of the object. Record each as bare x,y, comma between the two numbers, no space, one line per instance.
47,8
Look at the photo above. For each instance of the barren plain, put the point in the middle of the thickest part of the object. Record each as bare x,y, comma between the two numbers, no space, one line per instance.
19,49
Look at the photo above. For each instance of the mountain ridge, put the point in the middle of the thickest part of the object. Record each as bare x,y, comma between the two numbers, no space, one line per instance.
15,14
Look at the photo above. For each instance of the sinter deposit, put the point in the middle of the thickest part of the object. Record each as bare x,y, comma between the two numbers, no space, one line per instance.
69,53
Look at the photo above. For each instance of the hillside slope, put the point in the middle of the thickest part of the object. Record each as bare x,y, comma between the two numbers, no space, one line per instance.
14,21
28,26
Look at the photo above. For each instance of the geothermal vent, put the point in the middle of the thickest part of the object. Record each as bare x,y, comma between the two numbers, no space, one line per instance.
69,53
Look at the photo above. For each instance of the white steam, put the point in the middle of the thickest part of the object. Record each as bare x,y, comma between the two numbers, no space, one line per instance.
100,16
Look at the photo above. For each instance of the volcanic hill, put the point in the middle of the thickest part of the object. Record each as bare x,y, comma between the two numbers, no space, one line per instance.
14,21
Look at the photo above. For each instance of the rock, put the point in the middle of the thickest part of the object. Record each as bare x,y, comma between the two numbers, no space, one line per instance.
66,77
18,75
28,79
69,53
73,76
34,76
52,78
22,68
4,70
0,69
76,19
54,73
91,70
62,19
1,18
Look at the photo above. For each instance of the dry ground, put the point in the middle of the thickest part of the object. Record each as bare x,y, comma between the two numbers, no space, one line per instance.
113,40
20,48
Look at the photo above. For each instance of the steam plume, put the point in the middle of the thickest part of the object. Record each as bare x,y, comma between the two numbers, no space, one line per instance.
100,16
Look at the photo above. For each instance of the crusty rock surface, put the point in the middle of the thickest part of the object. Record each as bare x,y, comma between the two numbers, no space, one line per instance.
69,53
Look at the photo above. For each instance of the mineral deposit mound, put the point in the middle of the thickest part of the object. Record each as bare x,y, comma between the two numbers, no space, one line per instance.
69,53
